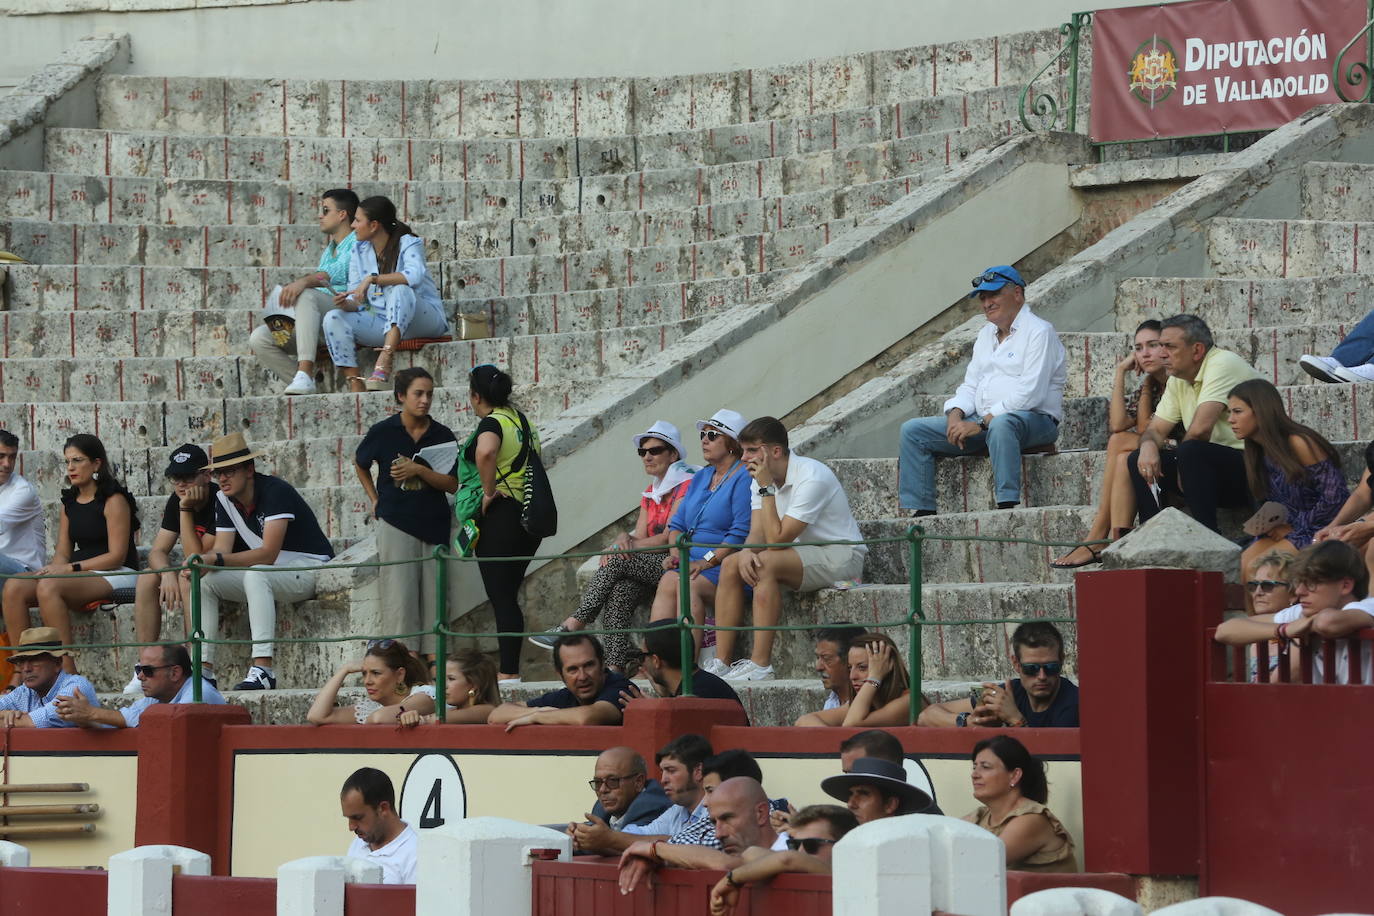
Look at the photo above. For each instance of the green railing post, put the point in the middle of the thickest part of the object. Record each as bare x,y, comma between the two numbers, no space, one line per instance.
440,623
684,597
1358,72
197,634
1045,107
915,616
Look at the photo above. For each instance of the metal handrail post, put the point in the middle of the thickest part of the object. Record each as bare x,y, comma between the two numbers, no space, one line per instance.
1076,23
197,633
440,620
684,597
915,616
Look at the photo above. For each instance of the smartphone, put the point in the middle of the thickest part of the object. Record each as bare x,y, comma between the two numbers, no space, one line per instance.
975,696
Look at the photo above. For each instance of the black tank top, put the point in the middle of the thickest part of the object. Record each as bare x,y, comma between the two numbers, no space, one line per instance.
89,533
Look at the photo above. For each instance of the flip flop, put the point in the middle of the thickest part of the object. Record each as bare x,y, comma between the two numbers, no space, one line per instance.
1096,558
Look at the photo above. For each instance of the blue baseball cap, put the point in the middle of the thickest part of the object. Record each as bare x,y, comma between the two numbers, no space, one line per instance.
994,278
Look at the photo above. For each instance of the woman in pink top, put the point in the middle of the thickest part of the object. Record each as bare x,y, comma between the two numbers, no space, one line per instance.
626,580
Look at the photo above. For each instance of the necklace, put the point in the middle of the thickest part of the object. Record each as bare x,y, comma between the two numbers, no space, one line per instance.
716,484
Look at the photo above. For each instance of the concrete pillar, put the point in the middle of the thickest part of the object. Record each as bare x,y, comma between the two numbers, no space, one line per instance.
314,886
12,855
1216,906
140,879
481,865
1075,901
919,863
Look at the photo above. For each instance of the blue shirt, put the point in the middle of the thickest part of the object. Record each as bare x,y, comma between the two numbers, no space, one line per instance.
410,261
671,821
334,260
720,517
208,694
43,710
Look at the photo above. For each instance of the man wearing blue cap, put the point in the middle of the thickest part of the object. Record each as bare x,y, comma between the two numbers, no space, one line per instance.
1012,398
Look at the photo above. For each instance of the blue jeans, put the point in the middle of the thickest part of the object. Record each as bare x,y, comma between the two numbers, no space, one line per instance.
10,566
1358,346
923,439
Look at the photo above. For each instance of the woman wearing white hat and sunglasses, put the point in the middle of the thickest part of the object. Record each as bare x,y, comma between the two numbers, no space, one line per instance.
626,579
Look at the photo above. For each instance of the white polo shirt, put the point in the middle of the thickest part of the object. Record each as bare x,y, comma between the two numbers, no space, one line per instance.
397,858
813,494
1290,614
23,525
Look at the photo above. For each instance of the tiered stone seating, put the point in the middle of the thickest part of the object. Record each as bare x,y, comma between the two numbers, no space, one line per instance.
595,222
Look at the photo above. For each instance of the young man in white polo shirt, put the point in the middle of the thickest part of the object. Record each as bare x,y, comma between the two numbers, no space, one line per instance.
793,499
368,803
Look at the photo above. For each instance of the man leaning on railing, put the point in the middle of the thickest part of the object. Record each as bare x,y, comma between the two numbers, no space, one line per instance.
166,675
591,694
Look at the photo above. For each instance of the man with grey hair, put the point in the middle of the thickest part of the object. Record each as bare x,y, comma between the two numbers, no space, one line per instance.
1208,466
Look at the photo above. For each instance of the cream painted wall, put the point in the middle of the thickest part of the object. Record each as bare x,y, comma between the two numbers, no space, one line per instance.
114,787
525,39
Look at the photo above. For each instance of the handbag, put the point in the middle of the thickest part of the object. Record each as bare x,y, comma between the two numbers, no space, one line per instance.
539,514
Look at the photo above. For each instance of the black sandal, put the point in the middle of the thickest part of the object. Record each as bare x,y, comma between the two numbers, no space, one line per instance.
1096,557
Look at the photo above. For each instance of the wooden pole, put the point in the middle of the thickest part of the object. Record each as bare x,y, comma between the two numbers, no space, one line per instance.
45,787
41,810
14,830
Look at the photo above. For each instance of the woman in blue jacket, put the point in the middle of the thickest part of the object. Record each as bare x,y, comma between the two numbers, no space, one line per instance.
391,296
716,510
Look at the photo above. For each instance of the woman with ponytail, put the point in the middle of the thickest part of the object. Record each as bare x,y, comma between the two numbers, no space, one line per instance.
392,297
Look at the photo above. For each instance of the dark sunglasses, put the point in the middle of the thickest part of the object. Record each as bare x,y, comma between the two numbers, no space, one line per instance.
382,644
812,844
1265,586
1032,669
654,450
711,434
149,670
992,276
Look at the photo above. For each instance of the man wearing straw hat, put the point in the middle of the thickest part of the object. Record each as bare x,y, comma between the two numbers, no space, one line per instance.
33,704
260,520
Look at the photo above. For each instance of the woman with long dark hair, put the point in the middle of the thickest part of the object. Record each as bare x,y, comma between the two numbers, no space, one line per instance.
1286,463
492,494
1011,789
470,691
391,297
880,687
396,681
99,519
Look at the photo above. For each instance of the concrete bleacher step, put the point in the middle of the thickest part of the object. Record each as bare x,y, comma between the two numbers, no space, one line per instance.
1242,302
1277,248
1336,190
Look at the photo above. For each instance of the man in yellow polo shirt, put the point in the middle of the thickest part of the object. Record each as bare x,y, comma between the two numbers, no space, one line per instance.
1208,467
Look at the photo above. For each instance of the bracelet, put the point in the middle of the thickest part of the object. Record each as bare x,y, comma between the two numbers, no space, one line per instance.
219,559
1283,631
653,850
76,567
184,509
730,879
874,681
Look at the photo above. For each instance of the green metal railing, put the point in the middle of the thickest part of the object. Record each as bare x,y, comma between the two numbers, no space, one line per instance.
1357,72
914,620
1045,107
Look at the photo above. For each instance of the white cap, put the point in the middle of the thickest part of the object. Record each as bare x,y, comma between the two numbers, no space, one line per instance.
666,431
725,420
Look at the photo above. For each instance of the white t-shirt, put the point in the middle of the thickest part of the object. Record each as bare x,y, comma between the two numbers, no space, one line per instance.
1290,614
23,526
813,494
780,844
397,858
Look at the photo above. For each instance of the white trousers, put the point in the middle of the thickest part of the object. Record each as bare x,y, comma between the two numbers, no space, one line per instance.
310,308
260,590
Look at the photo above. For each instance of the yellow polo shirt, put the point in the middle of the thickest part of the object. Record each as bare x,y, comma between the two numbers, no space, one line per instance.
1221,370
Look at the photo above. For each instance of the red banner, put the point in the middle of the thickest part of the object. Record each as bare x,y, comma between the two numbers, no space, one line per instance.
1215,66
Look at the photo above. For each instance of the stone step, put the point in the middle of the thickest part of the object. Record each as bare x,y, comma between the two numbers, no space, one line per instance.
1242,303
1336,190
848,144
907,90
1275,248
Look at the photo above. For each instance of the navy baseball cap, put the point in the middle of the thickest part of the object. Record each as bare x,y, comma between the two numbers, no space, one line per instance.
187,460
994,278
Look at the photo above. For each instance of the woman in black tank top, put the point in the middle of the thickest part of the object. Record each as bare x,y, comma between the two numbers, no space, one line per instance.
99,521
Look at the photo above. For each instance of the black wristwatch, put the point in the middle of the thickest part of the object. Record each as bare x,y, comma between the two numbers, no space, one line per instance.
765,491
961,720
983,424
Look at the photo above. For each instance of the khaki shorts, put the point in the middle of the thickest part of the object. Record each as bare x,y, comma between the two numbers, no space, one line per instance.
822,567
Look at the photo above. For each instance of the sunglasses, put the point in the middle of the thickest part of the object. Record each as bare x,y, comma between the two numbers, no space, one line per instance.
1265,586
1032,669
812,844
711,435
992,276
149,670
610,782
225,472
382,644
654,450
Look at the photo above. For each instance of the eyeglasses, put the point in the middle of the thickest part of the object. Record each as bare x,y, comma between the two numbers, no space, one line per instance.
149,670
812,844
610,782
382,644
1265,586
224,472
992,276
711,435
1032,669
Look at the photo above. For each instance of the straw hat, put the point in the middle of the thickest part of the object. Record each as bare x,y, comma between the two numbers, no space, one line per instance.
46,637
228,451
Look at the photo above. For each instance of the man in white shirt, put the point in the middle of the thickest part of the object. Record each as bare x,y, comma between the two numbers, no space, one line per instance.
793,499
1012,398
1331,582
23,526
368,802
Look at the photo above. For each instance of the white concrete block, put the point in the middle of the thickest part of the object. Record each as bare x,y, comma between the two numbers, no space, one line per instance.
140,881
1076,901
1217,906
314,886
12,855
480,865
920,863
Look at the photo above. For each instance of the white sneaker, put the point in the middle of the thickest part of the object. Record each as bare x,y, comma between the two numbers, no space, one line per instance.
715,666
1356,374
746,670
303,383
1321,368
134,687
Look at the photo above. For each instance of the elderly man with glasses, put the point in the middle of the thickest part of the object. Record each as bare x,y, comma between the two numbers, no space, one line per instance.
1012,398
625,794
